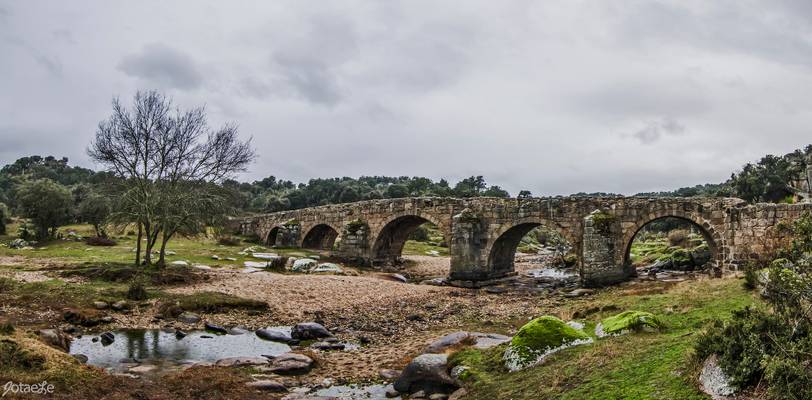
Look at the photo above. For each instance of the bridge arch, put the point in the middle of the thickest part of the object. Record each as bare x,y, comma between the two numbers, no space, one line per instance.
272,236
501,249
711,235
320,237
389,240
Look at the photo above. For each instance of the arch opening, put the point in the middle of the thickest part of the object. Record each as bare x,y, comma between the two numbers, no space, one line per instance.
412,235
538,248
671,243
272,236
320,237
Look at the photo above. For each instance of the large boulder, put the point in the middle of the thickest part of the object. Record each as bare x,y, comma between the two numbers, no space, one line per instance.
701,255
539,338
427,373
241,361
55,338
628,321
309,331
303,265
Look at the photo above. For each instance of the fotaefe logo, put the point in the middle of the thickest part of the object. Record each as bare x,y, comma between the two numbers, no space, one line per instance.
26,388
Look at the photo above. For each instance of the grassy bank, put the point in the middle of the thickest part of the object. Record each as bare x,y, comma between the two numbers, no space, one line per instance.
636,366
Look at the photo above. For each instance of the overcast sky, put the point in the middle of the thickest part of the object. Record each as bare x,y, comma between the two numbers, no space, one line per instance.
556,97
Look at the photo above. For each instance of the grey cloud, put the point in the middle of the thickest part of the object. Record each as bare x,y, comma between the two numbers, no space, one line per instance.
163,65
655,130
51,64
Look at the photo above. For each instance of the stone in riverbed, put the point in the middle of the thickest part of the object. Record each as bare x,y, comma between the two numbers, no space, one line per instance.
714,381
180,263
83,317
327,346
539,338
100,305
241,361
309,330
428,373
303,265
275,335
389,374
267,385
290,364
215,328
189,318
142,369
120,305
81,358
107,338
327,267
456,340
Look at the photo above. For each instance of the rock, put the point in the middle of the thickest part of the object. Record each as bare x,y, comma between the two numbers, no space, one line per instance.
214,328
578,292
420,394
107,319
495,289
179,334
107,338
267,385
230,259
120,305
399,278
238,331
201,267
700,255
414,317
81,358
457,340
389,374
539,338
628,321
215,257
143,369
70,329
55,338
458,394
171,253
180,263
289,263
391,393
309,330
275,335
85,318
189,318
240,361
326,346
100,305
303,265
327,267
438,396
265,256
254,264
434,282
18,244
290,364
426,372
714,381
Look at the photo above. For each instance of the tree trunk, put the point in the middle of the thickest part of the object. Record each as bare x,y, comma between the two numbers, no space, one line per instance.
138,245
162,256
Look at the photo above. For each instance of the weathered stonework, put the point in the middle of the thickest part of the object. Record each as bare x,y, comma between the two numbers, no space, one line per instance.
483,232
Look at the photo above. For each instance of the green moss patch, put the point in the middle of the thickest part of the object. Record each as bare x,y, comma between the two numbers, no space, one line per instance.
538,338
628,321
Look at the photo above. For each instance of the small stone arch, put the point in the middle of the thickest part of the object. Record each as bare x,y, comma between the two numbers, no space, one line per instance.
501,249
706,229
393,233
320,237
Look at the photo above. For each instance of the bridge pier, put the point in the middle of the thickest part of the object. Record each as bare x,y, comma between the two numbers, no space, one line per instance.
469,264
601,251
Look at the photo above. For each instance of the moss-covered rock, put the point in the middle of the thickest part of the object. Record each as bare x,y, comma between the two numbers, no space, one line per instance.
628,321
539,338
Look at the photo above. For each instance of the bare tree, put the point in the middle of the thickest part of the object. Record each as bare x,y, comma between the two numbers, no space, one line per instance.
169,162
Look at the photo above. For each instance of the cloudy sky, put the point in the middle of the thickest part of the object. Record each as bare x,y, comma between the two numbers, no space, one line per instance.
555,97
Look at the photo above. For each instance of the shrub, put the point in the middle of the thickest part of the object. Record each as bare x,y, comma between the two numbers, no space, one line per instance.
278,263
13,356
678,237
228,241
100,241
421,234
137,290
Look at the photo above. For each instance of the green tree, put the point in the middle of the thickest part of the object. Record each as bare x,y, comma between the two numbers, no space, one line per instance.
47,203
396,191
94,209
3,217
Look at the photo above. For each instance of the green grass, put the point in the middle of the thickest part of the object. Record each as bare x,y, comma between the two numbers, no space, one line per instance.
635,366
416,248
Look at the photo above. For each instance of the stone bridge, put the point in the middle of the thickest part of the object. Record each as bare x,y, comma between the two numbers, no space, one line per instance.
483,233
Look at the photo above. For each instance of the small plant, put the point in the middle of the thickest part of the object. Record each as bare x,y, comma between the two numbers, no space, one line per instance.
278,263
137,290
6,328
678,237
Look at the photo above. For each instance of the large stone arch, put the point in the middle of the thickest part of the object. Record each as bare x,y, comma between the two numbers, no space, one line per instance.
710,233
501,248
390,237
319,236
272,235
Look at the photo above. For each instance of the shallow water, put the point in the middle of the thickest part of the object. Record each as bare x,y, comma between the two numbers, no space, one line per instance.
355,392
159,347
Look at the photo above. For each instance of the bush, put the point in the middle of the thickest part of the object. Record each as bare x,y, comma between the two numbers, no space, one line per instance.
100,241
137,290
678,237
278,263
228,241
13,356
421,234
